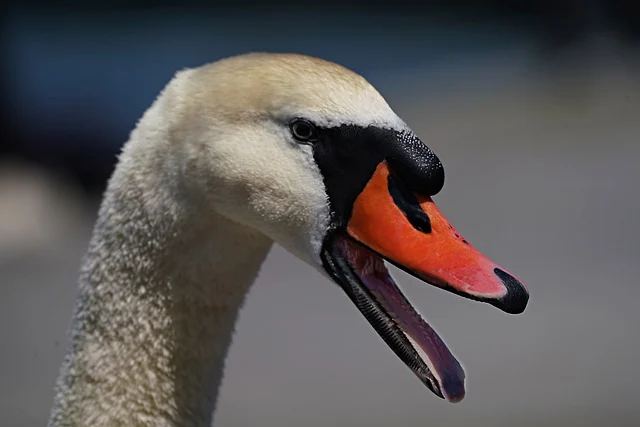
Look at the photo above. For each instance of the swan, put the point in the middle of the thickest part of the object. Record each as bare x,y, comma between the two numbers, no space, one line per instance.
231,157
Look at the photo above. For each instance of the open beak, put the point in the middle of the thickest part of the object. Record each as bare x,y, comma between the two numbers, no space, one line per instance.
391,221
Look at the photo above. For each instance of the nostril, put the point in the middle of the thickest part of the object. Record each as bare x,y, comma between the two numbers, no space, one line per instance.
517,296
407,202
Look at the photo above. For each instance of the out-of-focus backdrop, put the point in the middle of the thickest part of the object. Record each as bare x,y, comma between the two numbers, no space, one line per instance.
533,107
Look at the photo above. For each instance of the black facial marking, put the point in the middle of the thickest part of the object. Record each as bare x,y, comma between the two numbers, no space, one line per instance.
348,155
407,202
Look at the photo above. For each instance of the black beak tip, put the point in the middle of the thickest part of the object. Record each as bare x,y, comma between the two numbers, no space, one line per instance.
517,297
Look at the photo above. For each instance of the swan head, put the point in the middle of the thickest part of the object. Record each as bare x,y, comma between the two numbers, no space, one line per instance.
311,155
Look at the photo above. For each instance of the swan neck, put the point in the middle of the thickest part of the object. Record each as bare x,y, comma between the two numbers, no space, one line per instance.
160,291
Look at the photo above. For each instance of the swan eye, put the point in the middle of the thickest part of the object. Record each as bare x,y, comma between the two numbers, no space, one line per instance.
303,131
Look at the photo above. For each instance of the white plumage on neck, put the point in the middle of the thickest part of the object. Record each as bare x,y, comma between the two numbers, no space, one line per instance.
159,294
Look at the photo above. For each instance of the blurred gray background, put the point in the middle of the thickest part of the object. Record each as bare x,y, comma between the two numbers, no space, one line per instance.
533,107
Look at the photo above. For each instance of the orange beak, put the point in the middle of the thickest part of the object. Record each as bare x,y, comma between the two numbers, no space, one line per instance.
410,231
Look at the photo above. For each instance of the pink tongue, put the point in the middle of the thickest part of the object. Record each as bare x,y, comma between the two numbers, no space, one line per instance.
375,276
441,362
